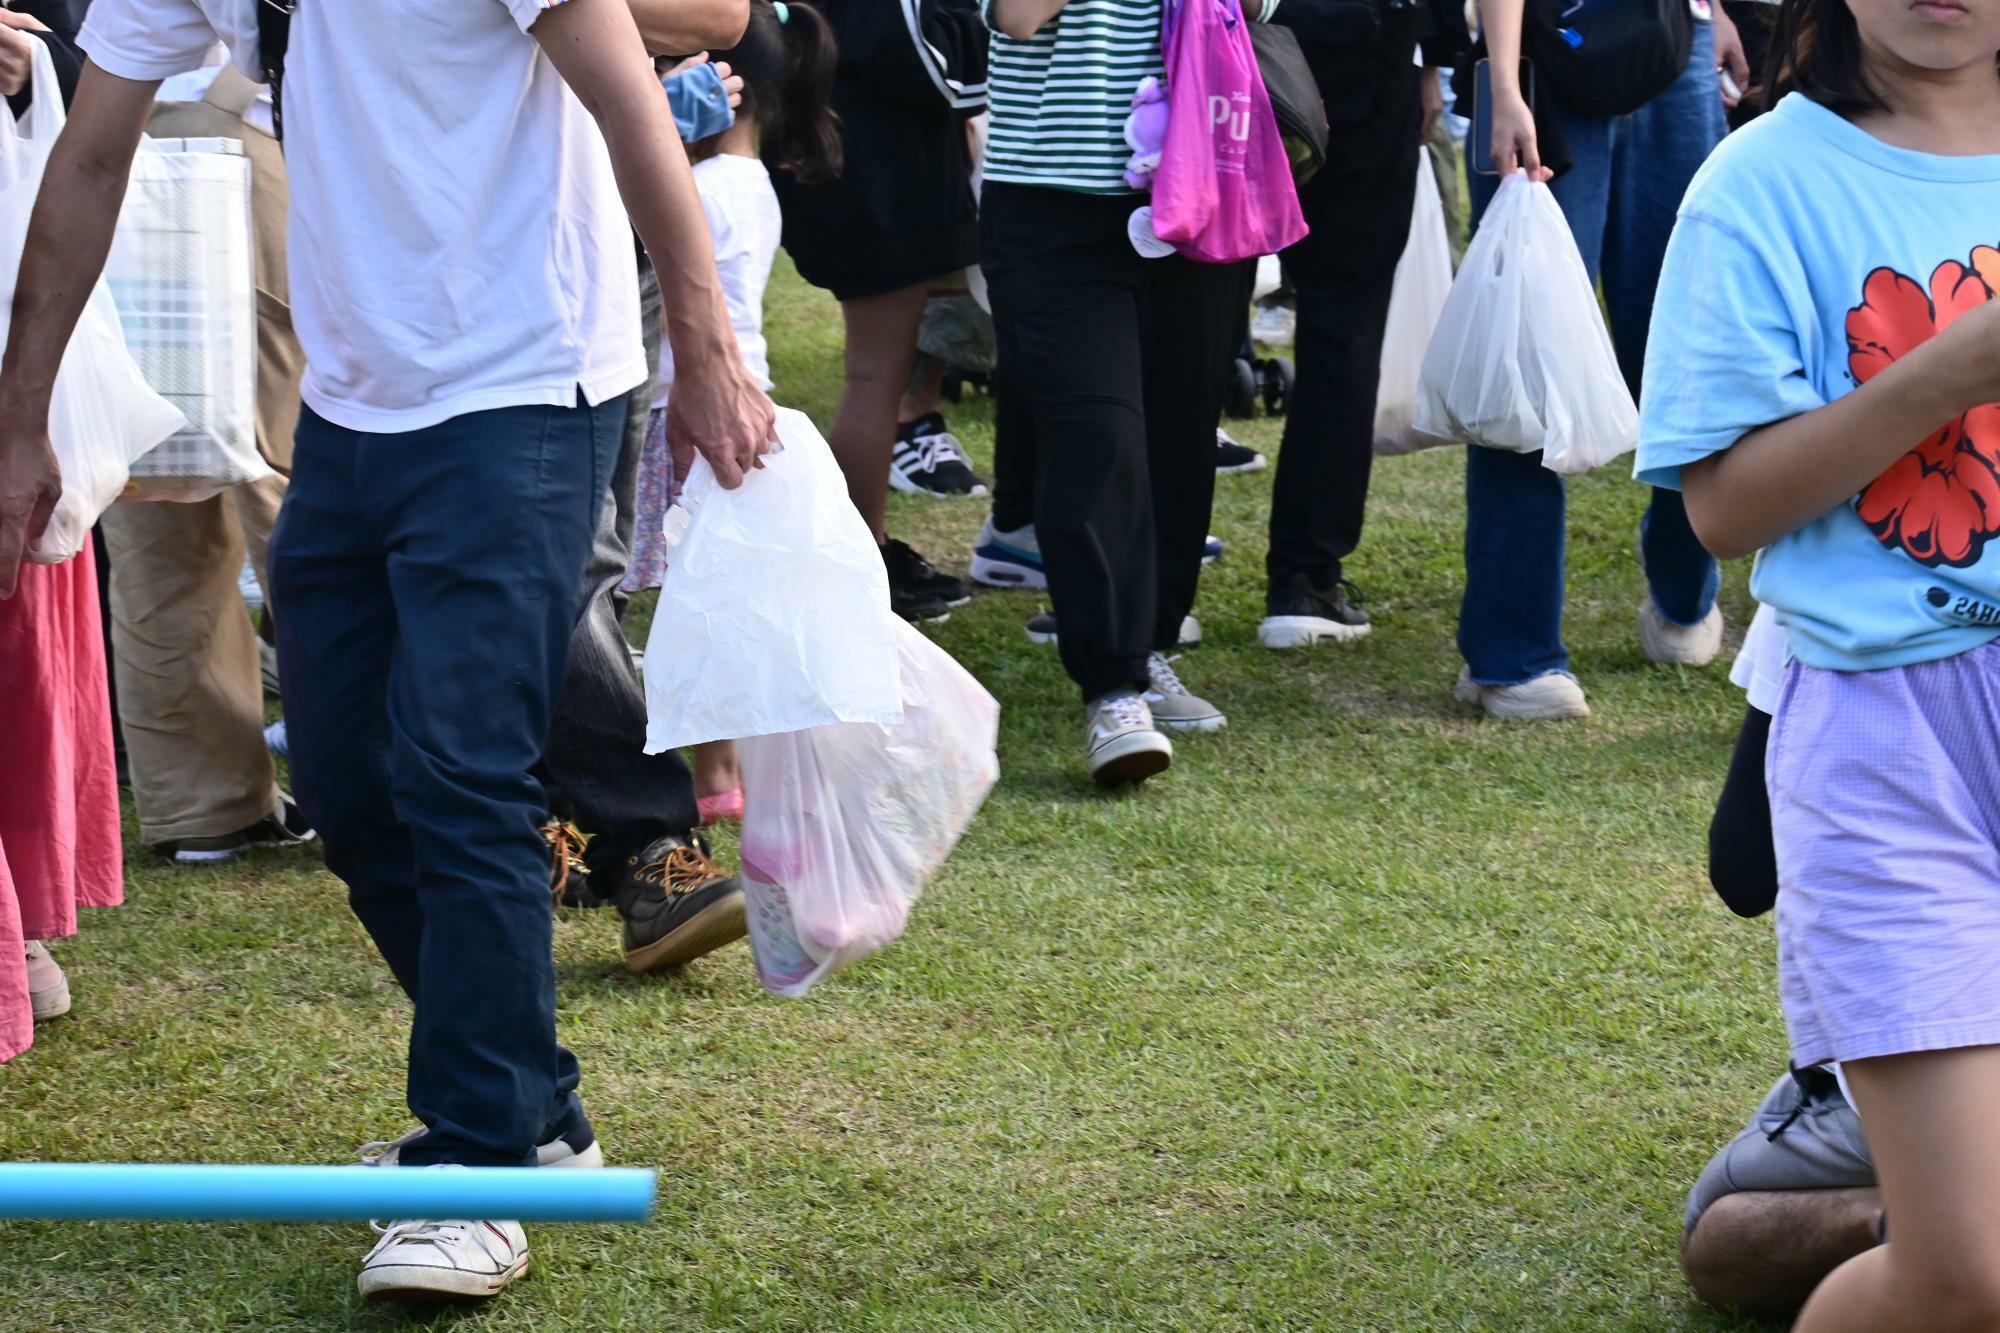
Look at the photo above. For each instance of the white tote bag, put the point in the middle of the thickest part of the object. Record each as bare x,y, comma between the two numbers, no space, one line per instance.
774,615
183,273
101,414
1422,285
1521,359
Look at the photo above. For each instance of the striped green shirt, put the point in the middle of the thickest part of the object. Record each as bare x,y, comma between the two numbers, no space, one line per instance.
1059,100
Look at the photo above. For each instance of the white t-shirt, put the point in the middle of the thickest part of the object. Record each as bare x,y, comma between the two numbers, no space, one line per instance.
457,241
1760,665
744,226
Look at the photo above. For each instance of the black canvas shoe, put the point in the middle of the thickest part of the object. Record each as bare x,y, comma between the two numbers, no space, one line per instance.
284,827
677,905
1299,615
1232,458
914,574
928,460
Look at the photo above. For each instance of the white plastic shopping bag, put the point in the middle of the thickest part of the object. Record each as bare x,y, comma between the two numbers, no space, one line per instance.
1422,284
843,825
184,276
1521,359
101,414
774,615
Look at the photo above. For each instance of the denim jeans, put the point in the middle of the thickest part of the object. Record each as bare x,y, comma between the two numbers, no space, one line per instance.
430,584
1620,197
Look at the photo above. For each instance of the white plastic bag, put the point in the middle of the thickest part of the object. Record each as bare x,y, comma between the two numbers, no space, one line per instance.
843,825
184,276
774,615
1423,282
101,414
1521,359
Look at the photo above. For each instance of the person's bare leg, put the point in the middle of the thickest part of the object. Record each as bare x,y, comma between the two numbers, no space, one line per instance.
925,395
715,769
1763,1252
881,350
1930,1129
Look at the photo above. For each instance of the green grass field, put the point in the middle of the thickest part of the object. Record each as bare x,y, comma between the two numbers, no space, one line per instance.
1370,1015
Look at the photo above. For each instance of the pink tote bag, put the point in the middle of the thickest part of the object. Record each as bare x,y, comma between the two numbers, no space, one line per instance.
1224,191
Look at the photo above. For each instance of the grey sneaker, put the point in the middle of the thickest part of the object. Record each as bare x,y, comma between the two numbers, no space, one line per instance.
1173,705
48,988
1125,746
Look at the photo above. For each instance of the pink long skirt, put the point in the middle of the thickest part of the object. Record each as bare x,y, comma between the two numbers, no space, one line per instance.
59,834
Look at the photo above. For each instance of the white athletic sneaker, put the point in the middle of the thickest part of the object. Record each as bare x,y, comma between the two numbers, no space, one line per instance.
1545,698
423,1263
1668,644
1173,705
1125,746
1008,559
48,988
556,1152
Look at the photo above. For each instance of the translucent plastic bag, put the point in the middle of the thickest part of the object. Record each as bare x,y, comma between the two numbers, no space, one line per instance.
774,615
101,414
843,825
1423,283
1521,359
185,279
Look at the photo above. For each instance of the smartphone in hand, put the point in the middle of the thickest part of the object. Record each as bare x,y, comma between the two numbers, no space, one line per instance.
1479,140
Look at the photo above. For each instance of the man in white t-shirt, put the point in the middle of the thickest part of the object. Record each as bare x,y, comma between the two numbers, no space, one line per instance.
464,285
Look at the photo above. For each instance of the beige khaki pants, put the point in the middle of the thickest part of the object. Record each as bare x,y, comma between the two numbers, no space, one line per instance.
190,690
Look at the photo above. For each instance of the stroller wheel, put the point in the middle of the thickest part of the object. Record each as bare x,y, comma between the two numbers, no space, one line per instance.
1240,399
1276,377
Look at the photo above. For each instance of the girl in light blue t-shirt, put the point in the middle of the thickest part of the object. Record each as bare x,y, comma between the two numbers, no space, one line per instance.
1823,381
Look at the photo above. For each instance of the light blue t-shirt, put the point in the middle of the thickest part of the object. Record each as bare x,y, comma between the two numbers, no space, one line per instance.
1808,256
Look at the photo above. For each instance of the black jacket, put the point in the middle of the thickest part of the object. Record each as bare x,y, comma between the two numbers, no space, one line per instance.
911,73
61,41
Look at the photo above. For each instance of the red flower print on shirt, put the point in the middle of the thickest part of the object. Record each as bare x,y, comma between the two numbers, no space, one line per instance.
1939,503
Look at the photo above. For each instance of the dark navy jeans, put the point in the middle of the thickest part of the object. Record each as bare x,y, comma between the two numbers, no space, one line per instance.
1620,198
430,585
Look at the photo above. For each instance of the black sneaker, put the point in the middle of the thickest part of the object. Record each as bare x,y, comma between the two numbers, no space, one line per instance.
928,460
677,906
1232,458
1299,615
284,827
569,875
914,574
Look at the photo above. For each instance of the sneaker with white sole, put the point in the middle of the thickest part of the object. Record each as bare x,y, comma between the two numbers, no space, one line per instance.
1125,746
1668,644
1173,705
585,1154
424,1263
1550,697
1212,548
1298,615
48,988
1042,630
928,460
1008,559
1233,459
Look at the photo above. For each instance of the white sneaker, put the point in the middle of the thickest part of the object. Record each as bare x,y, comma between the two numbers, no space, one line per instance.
422,1263
48,988
556,1152
1545,698
1125,746
1668,644
1173,705
1008,559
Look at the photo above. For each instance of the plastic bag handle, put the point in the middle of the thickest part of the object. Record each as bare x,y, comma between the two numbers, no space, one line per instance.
46,116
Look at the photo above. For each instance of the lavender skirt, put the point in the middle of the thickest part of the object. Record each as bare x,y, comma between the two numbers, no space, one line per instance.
652,496
1885,804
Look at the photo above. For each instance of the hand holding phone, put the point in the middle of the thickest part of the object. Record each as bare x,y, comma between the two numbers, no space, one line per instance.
1505,127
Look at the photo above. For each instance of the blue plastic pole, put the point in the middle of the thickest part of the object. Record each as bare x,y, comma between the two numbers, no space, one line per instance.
104,1191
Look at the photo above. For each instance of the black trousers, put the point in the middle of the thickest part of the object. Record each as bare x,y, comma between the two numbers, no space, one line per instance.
1115,365
596,767
1742,858
1342,274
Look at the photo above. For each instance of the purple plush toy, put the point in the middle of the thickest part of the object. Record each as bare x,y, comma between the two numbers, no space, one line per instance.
1146,133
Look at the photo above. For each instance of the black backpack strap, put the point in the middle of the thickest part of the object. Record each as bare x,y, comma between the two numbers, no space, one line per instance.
274,35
